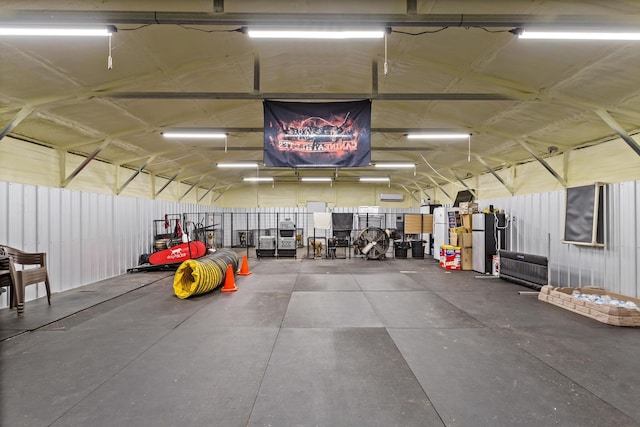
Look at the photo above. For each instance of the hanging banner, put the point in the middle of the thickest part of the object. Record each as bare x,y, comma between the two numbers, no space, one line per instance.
327,134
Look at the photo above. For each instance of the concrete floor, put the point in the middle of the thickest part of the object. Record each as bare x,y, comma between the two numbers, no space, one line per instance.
315,343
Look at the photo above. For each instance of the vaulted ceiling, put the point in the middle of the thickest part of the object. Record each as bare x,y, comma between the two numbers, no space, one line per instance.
447,65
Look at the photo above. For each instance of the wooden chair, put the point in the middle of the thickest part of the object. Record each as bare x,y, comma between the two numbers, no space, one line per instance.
34,271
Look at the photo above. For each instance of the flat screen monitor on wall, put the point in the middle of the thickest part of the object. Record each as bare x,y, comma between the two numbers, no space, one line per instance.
584,221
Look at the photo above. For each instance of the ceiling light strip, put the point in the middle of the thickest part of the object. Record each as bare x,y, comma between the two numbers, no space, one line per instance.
194,135
432,136
315,179
395,165
578,35
315,34
238,165
72,32
374,179
258,179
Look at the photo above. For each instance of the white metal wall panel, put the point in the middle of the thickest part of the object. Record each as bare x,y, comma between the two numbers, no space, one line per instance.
636,208
90,237
627,248
87,237
4,227
4,212
74,223
538,226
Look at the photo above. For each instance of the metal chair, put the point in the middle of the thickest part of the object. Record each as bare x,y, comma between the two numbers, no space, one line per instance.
33,272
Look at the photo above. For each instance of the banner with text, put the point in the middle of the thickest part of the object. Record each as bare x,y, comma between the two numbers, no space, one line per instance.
327,134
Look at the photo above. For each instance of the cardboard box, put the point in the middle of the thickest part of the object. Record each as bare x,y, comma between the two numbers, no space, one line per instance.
466,258
462,240
453,238
467,222
468,207
609,314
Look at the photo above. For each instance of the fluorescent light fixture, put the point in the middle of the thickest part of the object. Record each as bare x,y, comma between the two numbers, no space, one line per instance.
79,32
316,179
316,34
374,179
579,35
195,134
395,165
439,136
258,179
246,165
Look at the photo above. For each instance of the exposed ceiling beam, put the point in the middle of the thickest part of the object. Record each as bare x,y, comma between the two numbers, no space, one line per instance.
19,117
613,124
89,17
461,181
495,174
169,181
410,193
256,73
514,87
191,188
220,193
412,7
135,174
208,191
546,165
314,96
440,187
374,77
85,162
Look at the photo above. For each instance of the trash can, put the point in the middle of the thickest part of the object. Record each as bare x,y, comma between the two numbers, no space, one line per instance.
401,249
417,249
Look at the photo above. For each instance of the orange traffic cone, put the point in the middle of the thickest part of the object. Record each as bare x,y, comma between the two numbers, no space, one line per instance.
229,282
244,268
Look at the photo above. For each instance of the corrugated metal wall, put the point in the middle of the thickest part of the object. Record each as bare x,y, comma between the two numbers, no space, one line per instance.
90,237
537,227
87,236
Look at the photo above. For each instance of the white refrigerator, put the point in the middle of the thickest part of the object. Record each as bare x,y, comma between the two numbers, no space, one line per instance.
441,225
426,209
439,231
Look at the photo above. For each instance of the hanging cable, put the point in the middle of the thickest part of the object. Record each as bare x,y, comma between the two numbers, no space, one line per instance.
109,58
438,173
386,65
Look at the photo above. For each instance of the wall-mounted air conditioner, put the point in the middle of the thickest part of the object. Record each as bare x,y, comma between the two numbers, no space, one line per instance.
391,197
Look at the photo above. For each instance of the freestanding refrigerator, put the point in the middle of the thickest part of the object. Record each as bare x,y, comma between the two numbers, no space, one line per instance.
441,225
427,237
488,235
439,231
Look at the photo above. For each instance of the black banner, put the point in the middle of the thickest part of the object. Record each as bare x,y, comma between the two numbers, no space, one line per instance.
327,134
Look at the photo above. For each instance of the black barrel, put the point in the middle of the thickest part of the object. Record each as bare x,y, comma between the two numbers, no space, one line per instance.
401,248
417,249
